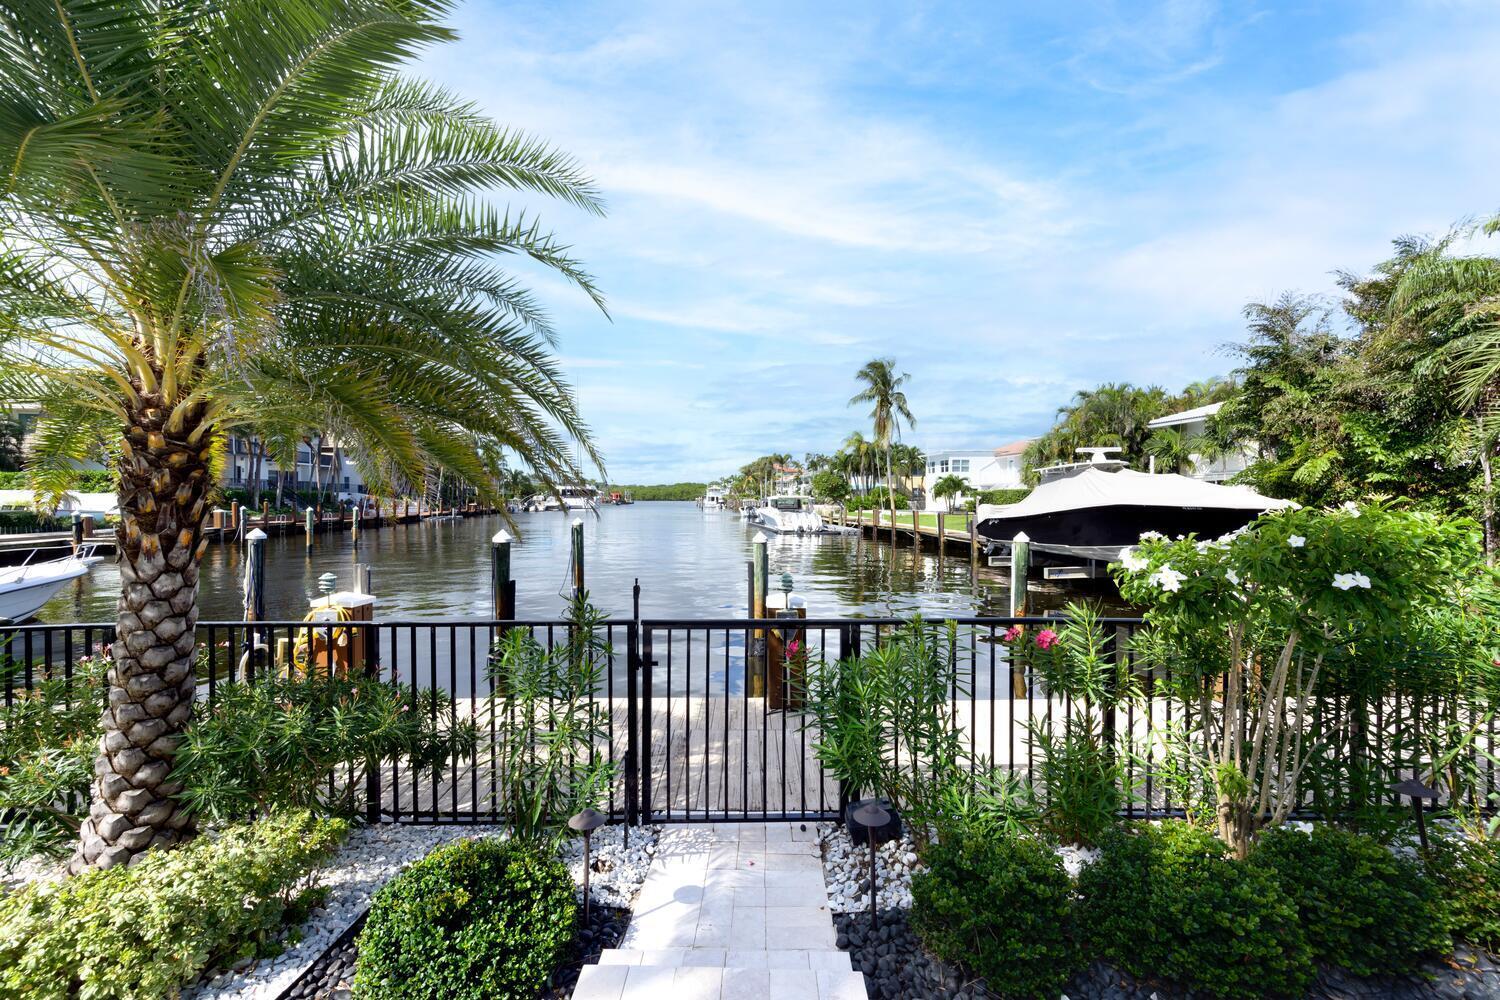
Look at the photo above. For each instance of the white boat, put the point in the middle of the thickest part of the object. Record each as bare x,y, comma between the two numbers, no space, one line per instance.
25,588
785,514
713,499
579,498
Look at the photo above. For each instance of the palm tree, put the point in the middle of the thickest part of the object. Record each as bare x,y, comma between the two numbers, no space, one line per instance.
887,409
857,451
950,486
229,216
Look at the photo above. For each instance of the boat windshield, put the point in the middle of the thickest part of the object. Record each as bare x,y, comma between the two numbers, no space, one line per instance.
787,503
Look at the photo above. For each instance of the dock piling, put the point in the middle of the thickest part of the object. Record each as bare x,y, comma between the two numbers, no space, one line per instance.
255,576
1020,565
578,587
500,583
307,520
760,570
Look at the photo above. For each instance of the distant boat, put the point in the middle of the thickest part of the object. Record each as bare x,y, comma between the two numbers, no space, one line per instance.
713,499
1093,513
785,514
25,588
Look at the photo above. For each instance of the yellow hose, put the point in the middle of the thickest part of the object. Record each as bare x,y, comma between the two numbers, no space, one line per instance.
338,637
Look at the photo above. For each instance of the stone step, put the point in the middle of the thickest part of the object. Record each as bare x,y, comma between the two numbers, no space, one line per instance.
655,982
818,960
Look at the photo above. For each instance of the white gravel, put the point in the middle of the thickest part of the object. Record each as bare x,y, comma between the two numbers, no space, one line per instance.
373,855
846,869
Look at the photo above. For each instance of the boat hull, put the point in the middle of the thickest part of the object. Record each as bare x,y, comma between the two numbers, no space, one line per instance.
1116,525
23,594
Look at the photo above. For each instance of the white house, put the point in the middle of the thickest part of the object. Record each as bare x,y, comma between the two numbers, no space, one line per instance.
1191,423
997,469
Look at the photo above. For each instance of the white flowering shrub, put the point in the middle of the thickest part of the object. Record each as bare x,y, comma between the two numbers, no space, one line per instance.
1249,626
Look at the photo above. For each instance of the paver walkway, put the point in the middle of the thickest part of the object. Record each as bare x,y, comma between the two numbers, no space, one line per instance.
729,911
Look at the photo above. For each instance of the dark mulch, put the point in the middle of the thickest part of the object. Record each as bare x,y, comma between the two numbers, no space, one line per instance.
897,967
329,978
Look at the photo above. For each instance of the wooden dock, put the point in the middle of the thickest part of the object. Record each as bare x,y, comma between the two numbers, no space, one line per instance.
711,759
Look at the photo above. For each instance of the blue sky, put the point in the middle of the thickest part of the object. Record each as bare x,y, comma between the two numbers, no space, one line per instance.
1014,200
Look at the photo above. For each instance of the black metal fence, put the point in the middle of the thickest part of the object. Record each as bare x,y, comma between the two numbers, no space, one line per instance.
706,718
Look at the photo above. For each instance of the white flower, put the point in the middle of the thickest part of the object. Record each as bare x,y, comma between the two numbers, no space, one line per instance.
1348,581
1351,508
1296,541
1232,577
1147,536
1168,579
1131,561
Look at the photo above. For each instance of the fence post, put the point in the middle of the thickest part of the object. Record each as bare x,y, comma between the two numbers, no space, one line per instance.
632,720
643,740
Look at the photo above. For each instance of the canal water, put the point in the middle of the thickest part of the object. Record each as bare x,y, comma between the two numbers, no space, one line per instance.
690,564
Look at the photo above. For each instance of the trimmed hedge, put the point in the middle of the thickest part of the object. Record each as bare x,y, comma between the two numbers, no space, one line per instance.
1166,901
474,920
999,905
140,933
1467,873
1362,907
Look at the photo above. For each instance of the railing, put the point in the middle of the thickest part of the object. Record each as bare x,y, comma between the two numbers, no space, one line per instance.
707,719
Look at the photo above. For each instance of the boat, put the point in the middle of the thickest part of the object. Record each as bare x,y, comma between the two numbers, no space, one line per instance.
714,498
620,499
786,514
25,588
1094,512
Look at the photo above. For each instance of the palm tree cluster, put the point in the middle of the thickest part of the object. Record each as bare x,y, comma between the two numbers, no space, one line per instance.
239,217
1118,415
1405,405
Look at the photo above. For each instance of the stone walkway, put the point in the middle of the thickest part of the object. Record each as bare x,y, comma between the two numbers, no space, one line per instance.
729,911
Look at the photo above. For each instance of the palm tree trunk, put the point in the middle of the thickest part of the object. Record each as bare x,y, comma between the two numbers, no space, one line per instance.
890,493
163,481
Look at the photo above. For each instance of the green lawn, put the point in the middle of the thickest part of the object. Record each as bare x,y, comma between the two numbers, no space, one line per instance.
951,522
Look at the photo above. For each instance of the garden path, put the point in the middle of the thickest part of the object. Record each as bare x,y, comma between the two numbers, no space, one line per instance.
729,911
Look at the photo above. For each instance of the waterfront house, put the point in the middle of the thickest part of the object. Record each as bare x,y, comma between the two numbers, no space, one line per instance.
982,469
1192,424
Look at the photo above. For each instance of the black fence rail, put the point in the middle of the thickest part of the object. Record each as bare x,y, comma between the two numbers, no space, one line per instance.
708,720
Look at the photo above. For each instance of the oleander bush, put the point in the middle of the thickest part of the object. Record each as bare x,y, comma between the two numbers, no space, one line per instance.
474,920
1165,901
1467,873
1361,907
1000,906
140,933
282,743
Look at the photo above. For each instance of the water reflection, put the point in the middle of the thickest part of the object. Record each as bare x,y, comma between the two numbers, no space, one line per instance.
690,564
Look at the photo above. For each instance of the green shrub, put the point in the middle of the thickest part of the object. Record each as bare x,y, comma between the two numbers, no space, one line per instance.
540,782
1000,906
1361,906
48,740
1467,873
281,743
1166,901
474,920
143,931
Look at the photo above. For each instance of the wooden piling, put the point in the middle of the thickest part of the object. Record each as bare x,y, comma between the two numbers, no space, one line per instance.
500,583
756,664
1020,565
307,524
578,582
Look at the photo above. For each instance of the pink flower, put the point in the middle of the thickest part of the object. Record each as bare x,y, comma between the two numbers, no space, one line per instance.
1046,639
792,647
1012,634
